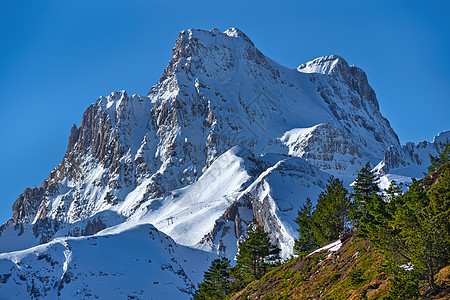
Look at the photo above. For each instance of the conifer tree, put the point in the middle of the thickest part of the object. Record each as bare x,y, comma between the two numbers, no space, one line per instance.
306,242
365,191
382,210
366,182
442,157
404,285
331,215
256,253
217,282
393,191
413,230
424,233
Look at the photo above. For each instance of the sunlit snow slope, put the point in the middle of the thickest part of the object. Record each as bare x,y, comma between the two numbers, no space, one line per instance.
227,135
140,262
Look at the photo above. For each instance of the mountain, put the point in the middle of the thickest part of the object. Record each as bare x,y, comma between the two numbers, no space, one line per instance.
409,160
225,136
149,265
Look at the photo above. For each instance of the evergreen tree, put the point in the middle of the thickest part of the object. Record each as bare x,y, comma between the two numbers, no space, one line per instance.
331,215
366,182
381,210
365,190
404,285
256,253
329,218
439,195
442,157
424,232
306,242
374,224
413,230
217,282
393,191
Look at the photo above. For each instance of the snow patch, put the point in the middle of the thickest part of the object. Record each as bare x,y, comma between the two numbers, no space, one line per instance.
333,247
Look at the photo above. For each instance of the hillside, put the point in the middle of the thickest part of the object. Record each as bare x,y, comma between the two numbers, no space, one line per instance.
325,275
355,271
358,269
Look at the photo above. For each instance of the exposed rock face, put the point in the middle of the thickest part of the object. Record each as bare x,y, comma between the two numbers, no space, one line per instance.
272,199
24,208
327,147
353,102
396,159
352,77
134,155
93,227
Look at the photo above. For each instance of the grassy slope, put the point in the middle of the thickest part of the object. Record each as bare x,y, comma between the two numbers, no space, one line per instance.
325,275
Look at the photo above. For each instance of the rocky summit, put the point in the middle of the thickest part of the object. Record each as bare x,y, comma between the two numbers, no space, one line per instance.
161,184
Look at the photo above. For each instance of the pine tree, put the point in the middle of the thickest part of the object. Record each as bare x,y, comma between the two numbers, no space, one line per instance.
323,225
366,182
331,215
413,229
306,242
379,209
425,239
365,191
404,285
374,224
393,191
217,282
256,253
442,157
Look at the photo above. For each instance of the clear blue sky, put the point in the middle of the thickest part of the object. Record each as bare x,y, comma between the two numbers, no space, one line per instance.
57,57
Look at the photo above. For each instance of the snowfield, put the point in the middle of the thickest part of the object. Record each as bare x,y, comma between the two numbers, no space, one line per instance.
139,262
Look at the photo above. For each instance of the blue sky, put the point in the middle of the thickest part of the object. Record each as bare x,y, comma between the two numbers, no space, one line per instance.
57,57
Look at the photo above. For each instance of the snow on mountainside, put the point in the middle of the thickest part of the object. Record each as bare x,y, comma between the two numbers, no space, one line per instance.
105,266
410,160
272,199
225,136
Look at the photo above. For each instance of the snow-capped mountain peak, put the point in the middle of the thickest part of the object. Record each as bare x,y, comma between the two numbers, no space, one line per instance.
325,65
225,136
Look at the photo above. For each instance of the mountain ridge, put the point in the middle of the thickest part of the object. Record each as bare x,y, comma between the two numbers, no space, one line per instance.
217,141
105,134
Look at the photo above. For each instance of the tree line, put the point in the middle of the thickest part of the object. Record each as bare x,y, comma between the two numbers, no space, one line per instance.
256,256
412,230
